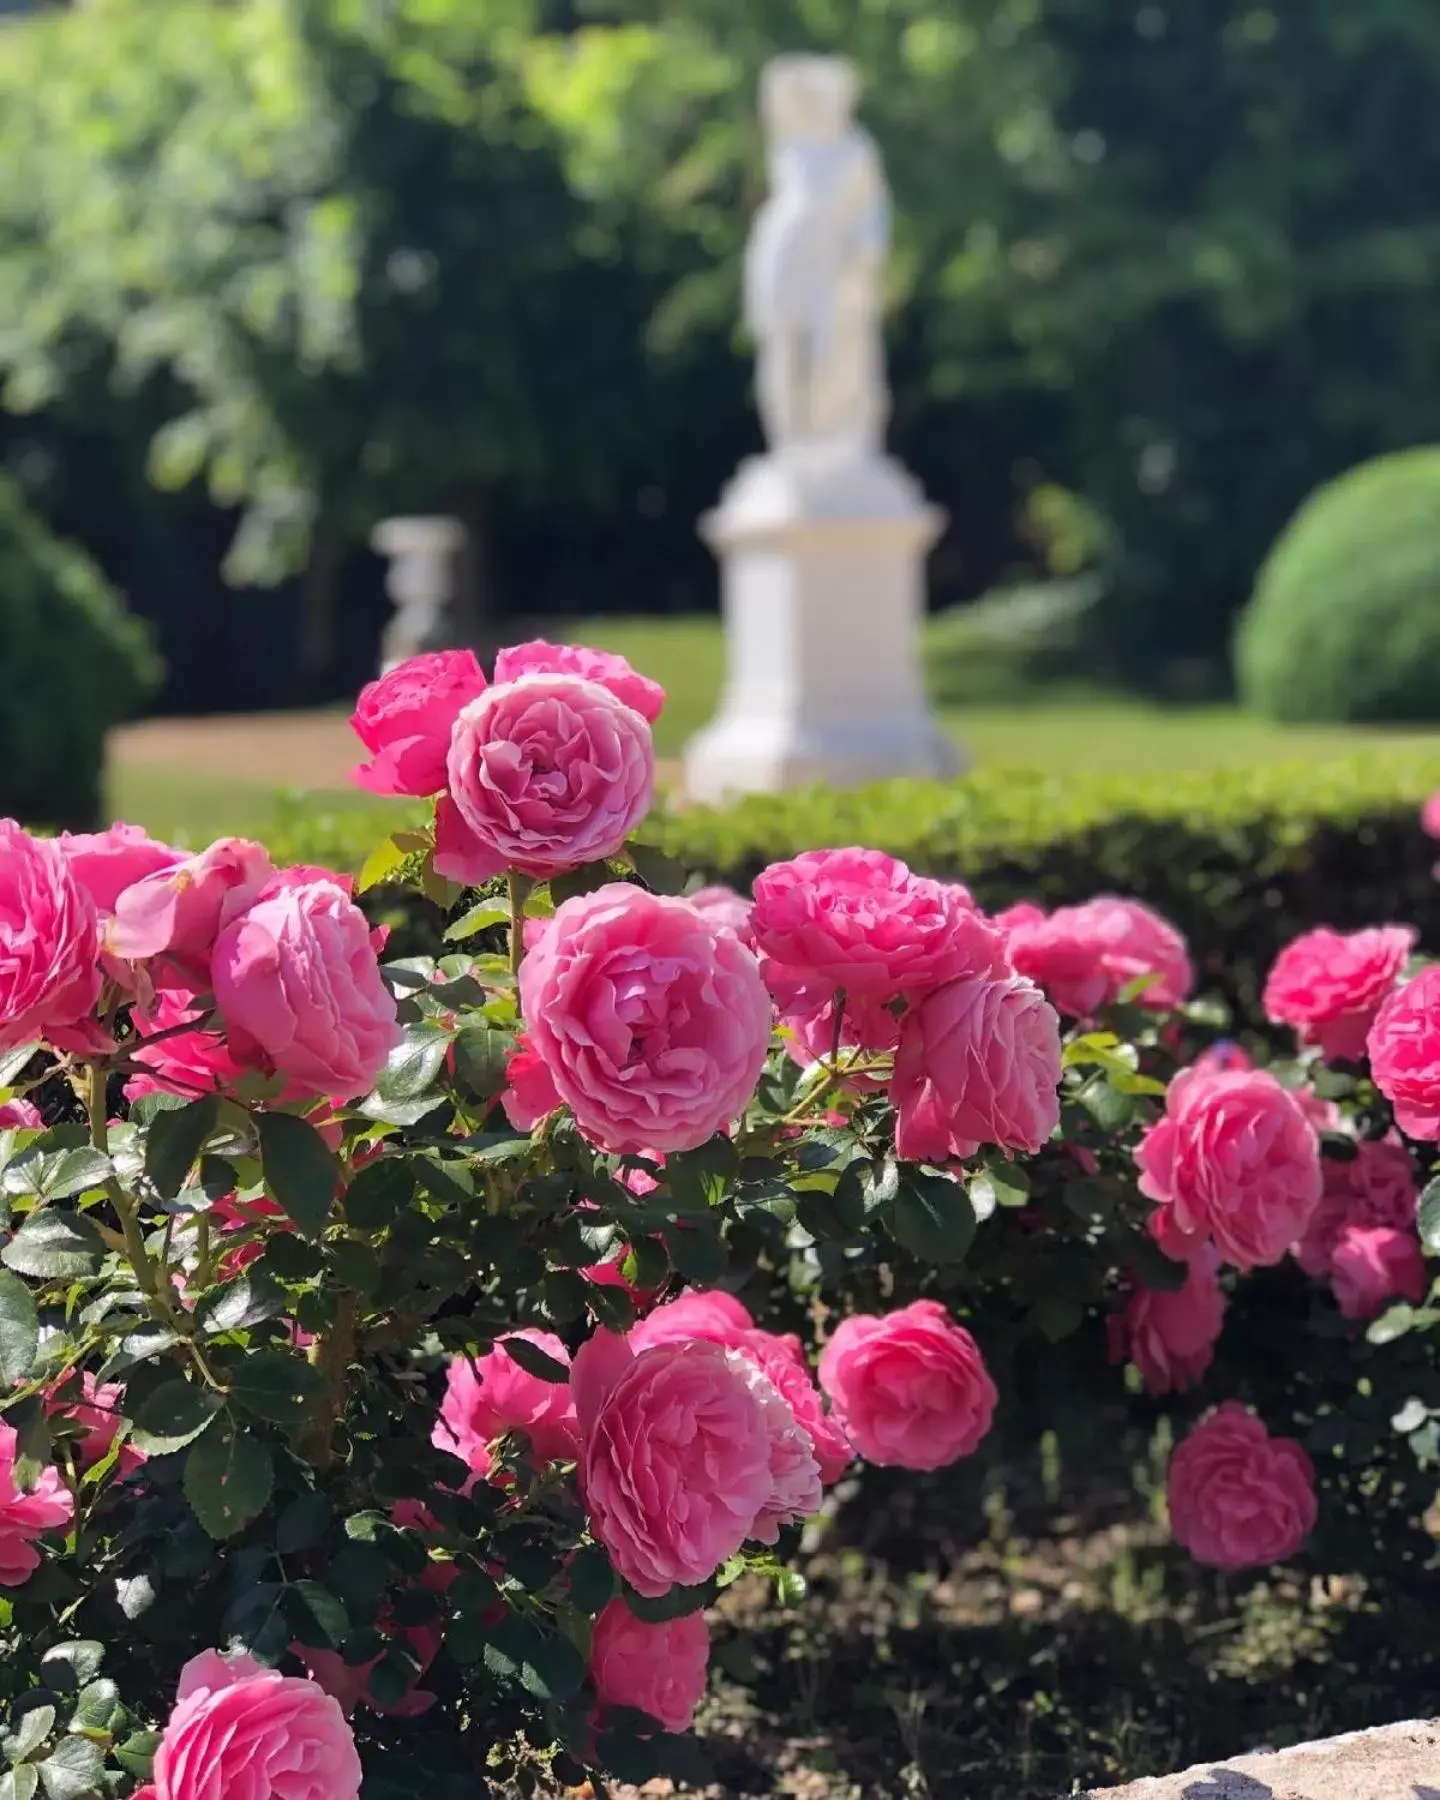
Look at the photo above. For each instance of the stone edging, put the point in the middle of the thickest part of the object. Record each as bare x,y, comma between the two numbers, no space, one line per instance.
1396,1762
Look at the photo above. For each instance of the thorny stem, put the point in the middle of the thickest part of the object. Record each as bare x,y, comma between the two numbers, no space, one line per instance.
332,1353
517,886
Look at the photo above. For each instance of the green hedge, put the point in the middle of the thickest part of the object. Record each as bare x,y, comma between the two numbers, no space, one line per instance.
75,663
1241,860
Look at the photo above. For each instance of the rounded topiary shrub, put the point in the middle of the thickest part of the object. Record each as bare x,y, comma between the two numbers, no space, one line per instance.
1345,619
76,663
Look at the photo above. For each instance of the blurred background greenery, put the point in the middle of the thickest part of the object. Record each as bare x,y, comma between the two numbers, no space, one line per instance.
273,269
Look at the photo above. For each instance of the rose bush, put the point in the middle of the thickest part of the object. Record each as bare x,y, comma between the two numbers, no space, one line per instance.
399,1354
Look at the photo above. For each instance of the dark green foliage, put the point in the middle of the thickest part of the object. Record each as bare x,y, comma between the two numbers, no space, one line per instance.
75,665
1345,622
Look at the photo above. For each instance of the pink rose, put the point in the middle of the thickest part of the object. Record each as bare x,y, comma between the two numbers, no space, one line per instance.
49,980
1430,816
1234,1160
107,862
23,1114
1229,1058
299,987
1086,956
176,914
654,1026
719,1318
26,1517
544,773
95,1407
530,1095
243,1732
1371,1264
1329,985
1404,1047
492,1394
189,1063
978,1063
726,910
1375,1187
859,920
1170,1337
405,719
1240,1499
658,1669
604,667
911,1389
688,1450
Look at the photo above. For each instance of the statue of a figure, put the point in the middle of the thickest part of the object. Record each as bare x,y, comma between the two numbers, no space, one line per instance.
815,263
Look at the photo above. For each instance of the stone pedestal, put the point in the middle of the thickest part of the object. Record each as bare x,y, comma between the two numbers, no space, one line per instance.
421,582
1397,1762
823,590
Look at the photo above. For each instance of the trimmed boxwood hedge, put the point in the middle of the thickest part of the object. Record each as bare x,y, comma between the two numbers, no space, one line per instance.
1239,859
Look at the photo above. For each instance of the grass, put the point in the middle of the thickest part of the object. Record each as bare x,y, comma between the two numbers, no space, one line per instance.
1055,728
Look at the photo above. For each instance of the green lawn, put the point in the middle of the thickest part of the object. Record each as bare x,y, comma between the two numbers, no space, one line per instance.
1053,728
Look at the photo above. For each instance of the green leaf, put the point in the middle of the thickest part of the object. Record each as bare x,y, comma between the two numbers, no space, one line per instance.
317,1616
591,1580
415,1063
95,1707
1411,1416
1392,1324
13,1062
32,1442
20,1784
1057,1317
564,1295
70,1667
134,1595
1154,1267
987,1190
302,1524
534,1361
380,1192
31,1733
660,873
480,1056
228,1479
74,1770
933,1218
56,1174
248,1300
137,1754
697,1254
175,1140
300,1169
53,1243
19,1330
174,1415
582,880
481,917
1430,1217
275,1385
385,860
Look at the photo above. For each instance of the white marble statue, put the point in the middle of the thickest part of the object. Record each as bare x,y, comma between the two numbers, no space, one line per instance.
815,264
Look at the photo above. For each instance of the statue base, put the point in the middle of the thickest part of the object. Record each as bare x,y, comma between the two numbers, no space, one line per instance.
823,592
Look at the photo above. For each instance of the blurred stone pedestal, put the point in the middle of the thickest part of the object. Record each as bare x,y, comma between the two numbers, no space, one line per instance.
1396,1762
823,592
421,581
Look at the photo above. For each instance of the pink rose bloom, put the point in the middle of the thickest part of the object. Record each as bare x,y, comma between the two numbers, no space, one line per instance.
243,1732
190,1063
544,773
658,1669
1240,1499
604,667
21,1113
299,987
859,920
1404,1047
96,1410
911,1389
1170,1337
1430,816
719,1318
1376,1187
688,1450
49,980
1329,985
26,1517
492,1395
726,910
654,1026
105,863
978,1063
1372,1264
1234,1160
531,1095
1228,1058
405,719
176,914
1086,956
